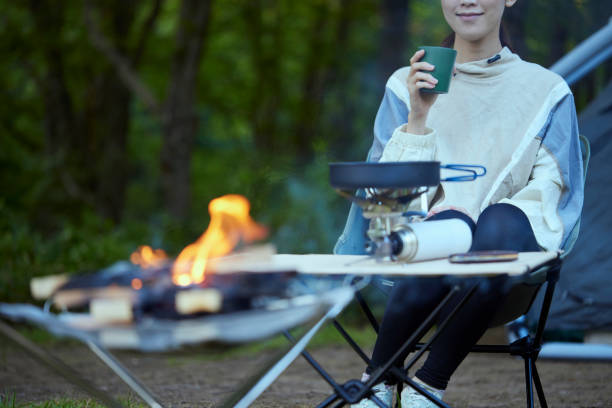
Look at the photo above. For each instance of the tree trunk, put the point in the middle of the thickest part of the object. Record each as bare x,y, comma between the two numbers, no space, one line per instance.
265,47
393,37
514,23
313,86
59,113
339,79
105,143
112,121
181,116
559,39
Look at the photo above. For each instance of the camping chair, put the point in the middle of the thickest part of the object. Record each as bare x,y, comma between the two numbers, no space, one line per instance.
517,303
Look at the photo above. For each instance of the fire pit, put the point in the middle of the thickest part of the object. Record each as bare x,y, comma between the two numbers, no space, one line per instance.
208,293
202,280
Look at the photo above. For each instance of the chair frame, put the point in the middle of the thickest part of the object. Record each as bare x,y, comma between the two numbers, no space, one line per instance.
527,347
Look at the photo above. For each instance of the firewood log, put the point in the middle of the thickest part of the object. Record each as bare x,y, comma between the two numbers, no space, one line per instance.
66,298
117,310
42,288
198,300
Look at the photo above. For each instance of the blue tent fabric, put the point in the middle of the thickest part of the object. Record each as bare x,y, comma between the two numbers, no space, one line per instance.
583,297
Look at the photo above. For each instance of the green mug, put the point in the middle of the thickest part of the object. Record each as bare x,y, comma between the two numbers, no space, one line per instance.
443,59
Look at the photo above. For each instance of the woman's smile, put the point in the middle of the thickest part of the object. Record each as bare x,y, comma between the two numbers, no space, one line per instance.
469,16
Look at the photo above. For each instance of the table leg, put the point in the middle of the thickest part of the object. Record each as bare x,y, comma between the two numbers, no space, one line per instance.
440,328
123,373
410,344
258,383
57,365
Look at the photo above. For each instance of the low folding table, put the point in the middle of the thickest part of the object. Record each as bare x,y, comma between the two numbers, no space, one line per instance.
530,267
314,309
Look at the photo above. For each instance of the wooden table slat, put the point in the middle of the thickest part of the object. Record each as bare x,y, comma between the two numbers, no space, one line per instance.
365,265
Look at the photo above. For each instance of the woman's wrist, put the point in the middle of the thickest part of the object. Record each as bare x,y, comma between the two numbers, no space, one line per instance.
416,124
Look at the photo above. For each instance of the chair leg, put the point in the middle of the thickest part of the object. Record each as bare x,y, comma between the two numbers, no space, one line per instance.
528,381
538,386
400,388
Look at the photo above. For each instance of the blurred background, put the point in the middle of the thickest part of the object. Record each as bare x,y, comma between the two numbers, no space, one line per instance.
121,119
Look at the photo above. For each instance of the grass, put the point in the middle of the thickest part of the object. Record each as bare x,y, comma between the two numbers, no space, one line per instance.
9,401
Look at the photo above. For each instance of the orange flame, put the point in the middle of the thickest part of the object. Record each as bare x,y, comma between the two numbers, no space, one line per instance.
148,257
229,224
136,284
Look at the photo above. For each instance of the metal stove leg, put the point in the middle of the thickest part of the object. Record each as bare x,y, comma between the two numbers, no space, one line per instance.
123,373
57,365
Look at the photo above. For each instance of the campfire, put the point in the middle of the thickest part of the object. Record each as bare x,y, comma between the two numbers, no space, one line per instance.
212,275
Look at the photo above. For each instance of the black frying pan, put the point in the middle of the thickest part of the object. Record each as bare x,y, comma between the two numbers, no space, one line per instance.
352,175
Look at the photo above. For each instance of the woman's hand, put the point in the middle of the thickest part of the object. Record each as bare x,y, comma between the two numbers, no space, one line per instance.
420,103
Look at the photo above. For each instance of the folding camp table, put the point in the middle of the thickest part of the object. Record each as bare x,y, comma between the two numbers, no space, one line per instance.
316,310
529,267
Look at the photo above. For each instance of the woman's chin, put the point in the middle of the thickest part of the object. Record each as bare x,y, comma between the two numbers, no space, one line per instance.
471,36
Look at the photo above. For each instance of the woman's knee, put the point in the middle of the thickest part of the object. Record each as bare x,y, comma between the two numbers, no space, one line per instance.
504,227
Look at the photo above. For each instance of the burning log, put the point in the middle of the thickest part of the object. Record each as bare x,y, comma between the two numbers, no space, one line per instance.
42,288
203,278
198,300
151,293
68,298
111,310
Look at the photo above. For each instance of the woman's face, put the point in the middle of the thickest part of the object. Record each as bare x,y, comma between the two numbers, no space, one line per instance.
475,20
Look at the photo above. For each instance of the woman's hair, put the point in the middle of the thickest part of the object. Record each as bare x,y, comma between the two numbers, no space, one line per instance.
449,41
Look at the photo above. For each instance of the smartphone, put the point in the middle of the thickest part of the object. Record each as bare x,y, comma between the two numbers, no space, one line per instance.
484,256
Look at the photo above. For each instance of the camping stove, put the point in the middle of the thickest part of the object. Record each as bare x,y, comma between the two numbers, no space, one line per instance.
385,195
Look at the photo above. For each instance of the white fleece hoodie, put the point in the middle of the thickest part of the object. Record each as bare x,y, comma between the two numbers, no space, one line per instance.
513,117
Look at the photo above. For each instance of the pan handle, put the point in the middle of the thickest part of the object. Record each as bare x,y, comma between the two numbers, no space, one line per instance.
474,171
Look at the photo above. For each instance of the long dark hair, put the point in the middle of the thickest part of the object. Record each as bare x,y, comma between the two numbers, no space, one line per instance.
449,41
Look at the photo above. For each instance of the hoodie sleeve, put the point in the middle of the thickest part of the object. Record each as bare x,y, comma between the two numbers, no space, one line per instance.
391,141
553,196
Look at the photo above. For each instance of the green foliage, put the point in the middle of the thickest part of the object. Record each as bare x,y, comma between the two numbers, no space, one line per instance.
8,401
284,87
87,243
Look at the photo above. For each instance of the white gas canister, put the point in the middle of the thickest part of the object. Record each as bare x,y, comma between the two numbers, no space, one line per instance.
422,241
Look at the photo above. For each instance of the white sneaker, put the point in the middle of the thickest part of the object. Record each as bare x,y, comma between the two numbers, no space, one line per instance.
412,399
383,392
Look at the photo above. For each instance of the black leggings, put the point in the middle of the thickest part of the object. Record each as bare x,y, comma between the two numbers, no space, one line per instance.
499,227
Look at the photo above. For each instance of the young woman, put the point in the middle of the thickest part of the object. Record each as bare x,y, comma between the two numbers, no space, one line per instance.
513,117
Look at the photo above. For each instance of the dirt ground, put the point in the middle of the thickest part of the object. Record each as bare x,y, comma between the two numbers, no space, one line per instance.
186,379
